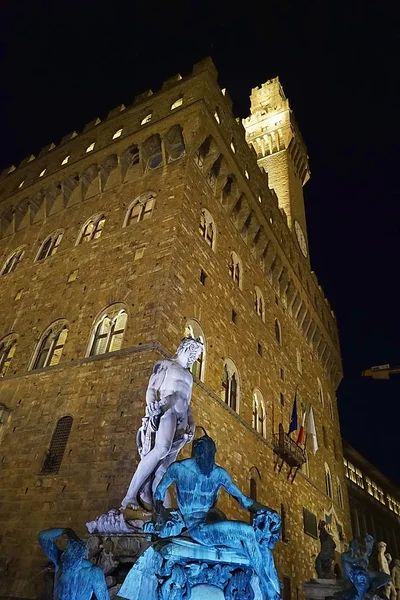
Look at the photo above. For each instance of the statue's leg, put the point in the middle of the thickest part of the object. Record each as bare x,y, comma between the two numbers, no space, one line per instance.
164,438
240,536
163,466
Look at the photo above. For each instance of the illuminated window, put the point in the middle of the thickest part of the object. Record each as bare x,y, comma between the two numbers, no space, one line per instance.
59,440
299,361
353,473
259,303
92,229
247,174
235,269
374,490
91,147
174,144
117,134
146,119
233,147
8,346
393,504
259,413
51,345
152,152
320,391
21,184
42,173
230,386
65,160
278,332
339,493
130,161
13,261
259,199
11,169
50,245
207,227
217,117
177,103
328,481
194,330
141,209
223,91
108,331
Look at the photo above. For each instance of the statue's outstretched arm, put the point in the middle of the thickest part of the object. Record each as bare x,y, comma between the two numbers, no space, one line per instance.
46,540
99,584
234,491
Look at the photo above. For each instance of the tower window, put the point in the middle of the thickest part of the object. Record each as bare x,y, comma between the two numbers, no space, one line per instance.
51,346
259,303
282,399
59,440
202,152
177,103
217,117
234,316
109,332
152,152
259,413
90,148
65,160
235,269
117,134
42,173
259,349
230,388
203,277
50,245
174,143
93,229
233,147
13,261
146,119
207,227
141,209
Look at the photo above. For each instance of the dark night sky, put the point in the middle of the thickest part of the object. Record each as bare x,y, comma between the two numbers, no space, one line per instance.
64,63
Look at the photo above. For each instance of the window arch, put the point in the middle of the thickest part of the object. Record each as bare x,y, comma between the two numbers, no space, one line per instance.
152,152
235,269
8,346
50,245
50,347
230,385
108,330
328,481
13,261
141,209
207,227
213,173
259,305
203,151
339,493
92,229
320,391
174,144
59,440
278,332
130,162
259,416
194,330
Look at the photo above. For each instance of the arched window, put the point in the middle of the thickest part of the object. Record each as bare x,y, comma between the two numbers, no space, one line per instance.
130,162
92,229
230,385
8,346
152,152
235,269
140,209
259,417
228,188
207,227
194,330
259,303
202,152
320,391
59,440
174,144
108,331
50,245
328,481
49,350
339,493
13,261
213,173
278,332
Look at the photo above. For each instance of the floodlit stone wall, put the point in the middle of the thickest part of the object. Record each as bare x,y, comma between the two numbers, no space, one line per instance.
163,272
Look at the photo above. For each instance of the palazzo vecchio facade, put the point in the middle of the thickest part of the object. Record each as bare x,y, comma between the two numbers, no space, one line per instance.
168,217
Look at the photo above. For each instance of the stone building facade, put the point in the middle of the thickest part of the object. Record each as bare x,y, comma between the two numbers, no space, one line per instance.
160,220
374,501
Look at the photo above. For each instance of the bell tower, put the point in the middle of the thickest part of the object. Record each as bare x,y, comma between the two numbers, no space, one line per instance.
273,132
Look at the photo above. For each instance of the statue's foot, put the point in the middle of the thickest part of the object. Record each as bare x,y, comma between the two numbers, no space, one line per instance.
134,513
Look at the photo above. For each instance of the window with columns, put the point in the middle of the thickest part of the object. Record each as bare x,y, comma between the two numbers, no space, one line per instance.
259,303
259,416
51,345
13,261
141,209
50,246
230,385
207,227
92,229
235,269
108,331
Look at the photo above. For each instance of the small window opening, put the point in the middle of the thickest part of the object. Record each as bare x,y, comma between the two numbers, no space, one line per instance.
234,316
203,277
65,160
177,103
260,349
91,147
146,119
117,134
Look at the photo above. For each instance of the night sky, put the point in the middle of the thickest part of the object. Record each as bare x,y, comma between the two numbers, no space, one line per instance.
65,63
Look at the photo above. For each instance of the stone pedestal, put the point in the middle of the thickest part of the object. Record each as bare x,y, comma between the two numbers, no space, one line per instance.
319,589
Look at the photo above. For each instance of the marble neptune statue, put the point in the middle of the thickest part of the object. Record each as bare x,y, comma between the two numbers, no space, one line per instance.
168,422
198,481
75,577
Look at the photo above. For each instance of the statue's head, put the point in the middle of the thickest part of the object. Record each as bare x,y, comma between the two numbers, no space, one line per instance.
73,554
189,351
382,546
388,557
203,451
